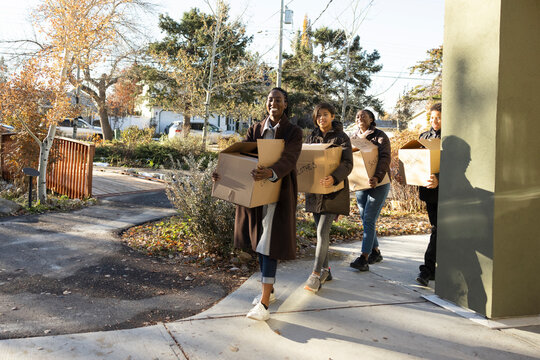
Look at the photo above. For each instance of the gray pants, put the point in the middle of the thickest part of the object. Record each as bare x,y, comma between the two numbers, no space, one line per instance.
324,223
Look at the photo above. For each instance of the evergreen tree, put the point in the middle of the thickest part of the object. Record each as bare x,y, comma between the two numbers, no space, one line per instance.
317,73
180,81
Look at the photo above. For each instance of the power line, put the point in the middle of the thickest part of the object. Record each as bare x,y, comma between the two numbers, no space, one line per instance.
322,12
403,77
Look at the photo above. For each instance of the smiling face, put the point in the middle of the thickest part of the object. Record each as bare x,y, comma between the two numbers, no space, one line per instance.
435,120
363,120
276,105
324,120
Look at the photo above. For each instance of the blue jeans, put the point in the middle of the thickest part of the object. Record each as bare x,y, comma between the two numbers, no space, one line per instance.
370,203
268,268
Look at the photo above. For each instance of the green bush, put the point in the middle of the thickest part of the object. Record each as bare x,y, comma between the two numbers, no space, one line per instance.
211,221
133,136
152,153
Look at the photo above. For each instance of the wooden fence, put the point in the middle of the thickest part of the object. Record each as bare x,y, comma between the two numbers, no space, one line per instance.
6,147
69,171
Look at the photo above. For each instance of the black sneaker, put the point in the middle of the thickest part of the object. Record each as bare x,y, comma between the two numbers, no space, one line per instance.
360,264
374,257
423,278
326,275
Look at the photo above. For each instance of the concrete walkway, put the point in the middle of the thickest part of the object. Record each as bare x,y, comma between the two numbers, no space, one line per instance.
109,181
380,314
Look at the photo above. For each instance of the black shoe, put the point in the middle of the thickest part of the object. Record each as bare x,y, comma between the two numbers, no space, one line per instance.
360,264
374,257
326,275
423,278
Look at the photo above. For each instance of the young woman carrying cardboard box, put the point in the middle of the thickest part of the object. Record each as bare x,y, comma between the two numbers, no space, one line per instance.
327,207
371,201
270,230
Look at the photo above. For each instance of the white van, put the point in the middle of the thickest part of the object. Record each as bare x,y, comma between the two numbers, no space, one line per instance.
84,130
214,133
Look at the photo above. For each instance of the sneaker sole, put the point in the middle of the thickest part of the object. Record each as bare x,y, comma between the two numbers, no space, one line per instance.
359,268
257,319
310,289
422,281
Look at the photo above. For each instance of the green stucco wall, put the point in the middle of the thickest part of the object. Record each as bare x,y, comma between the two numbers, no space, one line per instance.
516,285
488,248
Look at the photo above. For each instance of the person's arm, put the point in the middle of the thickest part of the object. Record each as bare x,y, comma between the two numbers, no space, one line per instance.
289,157
433,181
346,164
385,156
250,134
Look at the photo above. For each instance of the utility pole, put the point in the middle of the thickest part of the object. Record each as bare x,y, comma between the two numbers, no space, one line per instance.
346,85
280,58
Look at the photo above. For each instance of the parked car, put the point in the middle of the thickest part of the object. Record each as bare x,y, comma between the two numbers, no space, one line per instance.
214,133
84,129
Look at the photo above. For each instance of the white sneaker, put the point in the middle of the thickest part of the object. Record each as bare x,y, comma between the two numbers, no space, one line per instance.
259,313
257,299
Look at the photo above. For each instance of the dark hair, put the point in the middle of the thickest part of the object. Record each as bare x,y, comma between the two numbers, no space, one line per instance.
370,114
325,106
286,96
436,107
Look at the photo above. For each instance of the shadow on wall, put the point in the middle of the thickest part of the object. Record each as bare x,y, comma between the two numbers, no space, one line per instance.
465,225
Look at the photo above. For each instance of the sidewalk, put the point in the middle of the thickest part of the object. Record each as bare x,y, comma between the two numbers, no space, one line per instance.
380,314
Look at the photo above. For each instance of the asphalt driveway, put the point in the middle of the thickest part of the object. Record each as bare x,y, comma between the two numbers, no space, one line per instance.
64,273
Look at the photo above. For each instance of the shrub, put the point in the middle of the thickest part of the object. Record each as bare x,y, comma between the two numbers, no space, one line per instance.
186,145
152,153
133,136
211,221
224,143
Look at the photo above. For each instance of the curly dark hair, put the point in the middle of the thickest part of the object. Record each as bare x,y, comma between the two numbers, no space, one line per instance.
325,106
436,107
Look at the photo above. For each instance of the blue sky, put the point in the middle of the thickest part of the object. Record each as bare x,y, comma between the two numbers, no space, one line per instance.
401,30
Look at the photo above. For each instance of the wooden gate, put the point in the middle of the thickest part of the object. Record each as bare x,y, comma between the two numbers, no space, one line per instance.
69,171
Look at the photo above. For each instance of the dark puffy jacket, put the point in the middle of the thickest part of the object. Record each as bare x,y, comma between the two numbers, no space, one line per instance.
425,194
337,202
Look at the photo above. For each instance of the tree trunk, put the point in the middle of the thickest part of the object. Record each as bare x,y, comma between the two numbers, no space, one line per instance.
104,121
44,149
186,126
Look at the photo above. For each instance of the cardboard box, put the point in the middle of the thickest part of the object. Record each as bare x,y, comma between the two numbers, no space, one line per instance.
365,158
235,164
315,162
418,159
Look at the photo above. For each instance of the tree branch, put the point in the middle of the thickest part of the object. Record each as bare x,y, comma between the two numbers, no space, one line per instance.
28,129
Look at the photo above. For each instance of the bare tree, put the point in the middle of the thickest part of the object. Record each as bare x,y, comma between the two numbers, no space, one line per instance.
99,36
